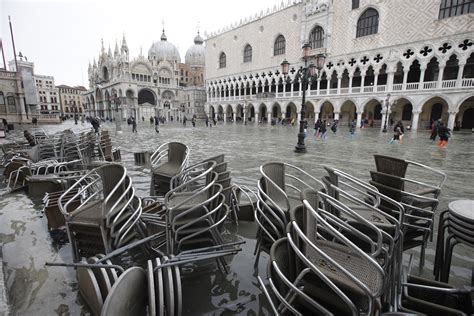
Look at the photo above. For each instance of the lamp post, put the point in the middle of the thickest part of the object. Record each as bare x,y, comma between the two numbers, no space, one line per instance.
118,116
306,73
387,104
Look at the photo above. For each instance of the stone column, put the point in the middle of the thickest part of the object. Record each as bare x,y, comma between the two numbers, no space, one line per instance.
284,88
225,117
362,83
350,82
256,118
451,120
383,122
299,118
336,115
301,89
269,117
245,115
318,86
459,78
359,118
339,79
390,77
376,80
405,77
415,120
291,88
422,76
440,76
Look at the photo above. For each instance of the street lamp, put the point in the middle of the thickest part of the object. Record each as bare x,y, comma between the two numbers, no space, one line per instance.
387,104
306,73
118,116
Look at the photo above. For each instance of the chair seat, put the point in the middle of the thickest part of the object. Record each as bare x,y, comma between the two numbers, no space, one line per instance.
352,262
179,198
168,169
89,215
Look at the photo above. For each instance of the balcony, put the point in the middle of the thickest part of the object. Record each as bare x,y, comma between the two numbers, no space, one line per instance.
467,83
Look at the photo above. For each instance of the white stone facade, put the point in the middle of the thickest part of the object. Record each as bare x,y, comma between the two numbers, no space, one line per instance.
425,63
121,87
48,95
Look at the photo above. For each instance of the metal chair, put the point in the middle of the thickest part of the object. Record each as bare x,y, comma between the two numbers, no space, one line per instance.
167,161
278,191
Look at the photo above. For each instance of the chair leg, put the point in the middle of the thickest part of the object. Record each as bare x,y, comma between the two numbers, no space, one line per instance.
439,246
451,242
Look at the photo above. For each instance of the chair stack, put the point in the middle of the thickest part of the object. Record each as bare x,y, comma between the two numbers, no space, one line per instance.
109,210
420,199
278,192
456,226
167,161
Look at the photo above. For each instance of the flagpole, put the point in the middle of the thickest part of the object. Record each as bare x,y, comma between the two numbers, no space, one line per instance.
13,42
3,54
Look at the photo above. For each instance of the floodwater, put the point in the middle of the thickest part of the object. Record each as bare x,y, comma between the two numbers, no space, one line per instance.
34,289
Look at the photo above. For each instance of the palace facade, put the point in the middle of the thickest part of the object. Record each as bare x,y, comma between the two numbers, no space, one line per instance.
410,60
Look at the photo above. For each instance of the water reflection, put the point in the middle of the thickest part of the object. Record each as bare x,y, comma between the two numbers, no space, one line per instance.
26,244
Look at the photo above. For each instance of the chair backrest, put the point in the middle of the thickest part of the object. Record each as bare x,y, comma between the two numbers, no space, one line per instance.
274,180
391,165
177,152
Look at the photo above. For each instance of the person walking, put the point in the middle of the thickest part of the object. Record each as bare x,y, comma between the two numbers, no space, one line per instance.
95,124
352,128
317,128
134,125
193,121
334,127
444,134
323,131
397,133
207,121
152,120
184,121
157,124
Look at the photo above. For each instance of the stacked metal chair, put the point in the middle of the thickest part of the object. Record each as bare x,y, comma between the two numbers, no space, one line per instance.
109,210
328,273
278,191
167,161
195,209
420,199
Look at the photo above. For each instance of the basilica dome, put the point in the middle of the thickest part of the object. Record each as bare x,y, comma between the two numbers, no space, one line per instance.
195,54
164,50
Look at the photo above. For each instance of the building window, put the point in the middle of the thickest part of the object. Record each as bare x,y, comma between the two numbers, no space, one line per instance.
11,100
368,23
247,53
316,37
280,46
2,99
222,60
355,4
449,8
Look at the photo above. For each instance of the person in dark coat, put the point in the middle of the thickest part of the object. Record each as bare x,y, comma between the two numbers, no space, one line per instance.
444,134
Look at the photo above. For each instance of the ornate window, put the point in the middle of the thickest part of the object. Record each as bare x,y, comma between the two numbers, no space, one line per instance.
2,99
449,8
316,37
247,53
355,4
279,47
368,23
222,60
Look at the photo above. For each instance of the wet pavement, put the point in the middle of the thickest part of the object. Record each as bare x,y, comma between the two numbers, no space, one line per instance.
34,289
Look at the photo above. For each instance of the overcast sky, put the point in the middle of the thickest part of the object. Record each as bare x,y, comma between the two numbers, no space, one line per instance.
62,36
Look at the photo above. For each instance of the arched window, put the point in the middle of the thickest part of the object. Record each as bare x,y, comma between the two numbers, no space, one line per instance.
2,99
222,60
368,23
247,53
450,8
316,37
280,46
355,4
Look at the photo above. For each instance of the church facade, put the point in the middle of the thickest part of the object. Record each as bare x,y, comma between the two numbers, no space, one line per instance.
405,60
144,87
